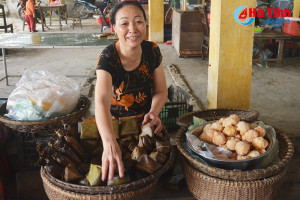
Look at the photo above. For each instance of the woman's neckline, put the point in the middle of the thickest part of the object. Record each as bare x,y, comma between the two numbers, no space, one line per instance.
139,65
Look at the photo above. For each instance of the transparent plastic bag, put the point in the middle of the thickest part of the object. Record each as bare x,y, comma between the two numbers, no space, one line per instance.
41,95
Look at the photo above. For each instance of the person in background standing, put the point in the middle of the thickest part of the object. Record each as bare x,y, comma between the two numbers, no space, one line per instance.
30,15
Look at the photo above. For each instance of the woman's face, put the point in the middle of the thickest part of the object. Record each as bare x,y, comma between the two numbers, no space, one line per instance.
130,26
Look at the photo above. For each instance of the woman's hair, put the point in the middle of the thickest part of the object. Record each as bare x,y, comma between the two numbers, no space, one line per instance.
120,5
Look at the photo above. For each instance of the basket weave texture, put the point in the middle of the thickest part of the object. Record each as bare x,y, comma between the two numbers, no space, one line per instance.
206,187
215,114
141,189
286,151
49,124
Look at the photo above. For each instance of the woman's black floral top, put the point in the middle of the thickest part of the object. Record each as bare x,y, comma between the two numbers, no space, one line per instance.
132,90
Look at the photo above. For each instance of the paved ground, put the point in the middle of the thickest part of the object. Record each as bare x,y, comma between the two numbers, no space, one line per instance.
275,91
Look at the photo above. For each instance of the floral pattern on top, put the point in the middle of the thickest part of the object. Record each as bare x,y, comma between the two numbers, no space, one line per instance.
132,90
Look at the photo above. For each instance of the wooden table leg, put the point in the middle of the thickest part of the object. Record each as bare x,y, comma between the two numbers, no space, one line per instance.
42,19
5,67
59,19
50,17
66,14
280,51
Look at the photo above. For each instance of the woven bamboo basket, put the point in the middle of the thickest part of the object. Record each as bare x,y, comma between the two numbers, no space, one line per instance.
215,114
141,189
286,151
203,186
49,124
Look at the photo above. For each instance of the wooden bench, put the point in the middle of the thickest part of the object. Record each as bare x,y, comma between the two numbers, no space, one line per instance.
273,35
5,26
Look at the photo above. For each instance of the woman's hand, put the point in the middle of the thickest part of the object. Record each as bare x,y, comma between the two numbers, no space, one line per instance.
111,160
155,120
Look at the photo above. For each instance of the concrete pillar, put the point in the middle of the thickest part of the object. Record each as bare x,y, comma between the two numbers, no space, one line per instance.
296,8
156,20
230,56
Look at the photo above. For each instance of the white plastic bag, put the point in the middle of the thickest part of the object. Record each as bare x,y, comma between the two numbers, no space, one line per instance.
41,94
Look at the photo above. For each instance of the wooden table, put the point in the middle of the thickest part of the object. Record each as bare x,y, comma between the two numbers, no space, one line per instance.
50,41
59,8
273,35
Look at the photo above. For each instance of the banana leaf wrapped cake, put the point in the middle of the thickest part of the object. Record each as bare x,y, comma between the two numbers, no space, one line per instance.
76,157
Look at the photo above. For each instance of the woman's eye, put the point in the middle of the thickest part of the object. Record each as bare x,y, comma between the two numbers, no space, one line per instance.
124,24
139,22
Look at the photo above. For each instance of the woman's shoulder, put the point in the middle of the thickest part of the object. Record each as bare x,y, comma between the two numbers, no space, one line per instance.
148,44
109,50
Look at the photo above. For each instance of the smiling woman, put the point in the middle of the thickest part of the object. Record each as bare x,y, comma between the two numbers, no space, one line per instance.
130,81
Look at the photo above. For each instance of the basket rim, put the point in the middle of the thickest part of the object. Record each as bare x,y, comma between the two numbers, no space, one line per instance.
83,102
241,175
110,189
181,120
233,183
76,195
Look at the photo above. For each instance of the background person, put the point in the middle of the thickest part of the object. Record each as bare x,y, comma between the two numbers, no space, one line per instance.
30,15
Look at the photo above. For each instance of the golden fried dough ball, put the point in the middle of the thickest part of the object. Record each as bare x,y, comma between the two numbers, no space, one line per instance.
242,148
238,136
230,121
231,143
260,143
243,127
219,138
240,157
207,136
217,126
261,131
250,135
262,151
230,130
206,127
235,118
253,154
221,120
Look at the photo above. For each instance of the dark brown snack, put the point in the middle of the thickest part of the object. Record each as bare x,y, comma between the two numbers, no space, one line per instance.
137,153
54,169
117,180
147,142
98,151
89,145
147,130
67,151
59,143
61,159
163,147
158,156
84,168
75,145
147,164
132,145
71,174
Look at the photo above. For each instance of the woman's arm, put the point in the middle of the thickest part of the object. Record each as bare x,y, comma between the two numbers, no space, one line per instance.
111,157
159,98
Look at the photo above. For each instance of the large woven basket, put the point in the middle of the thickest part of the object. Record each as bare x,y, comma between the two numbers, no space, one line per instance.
141,189
286,151
203,186
49,124
215,114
